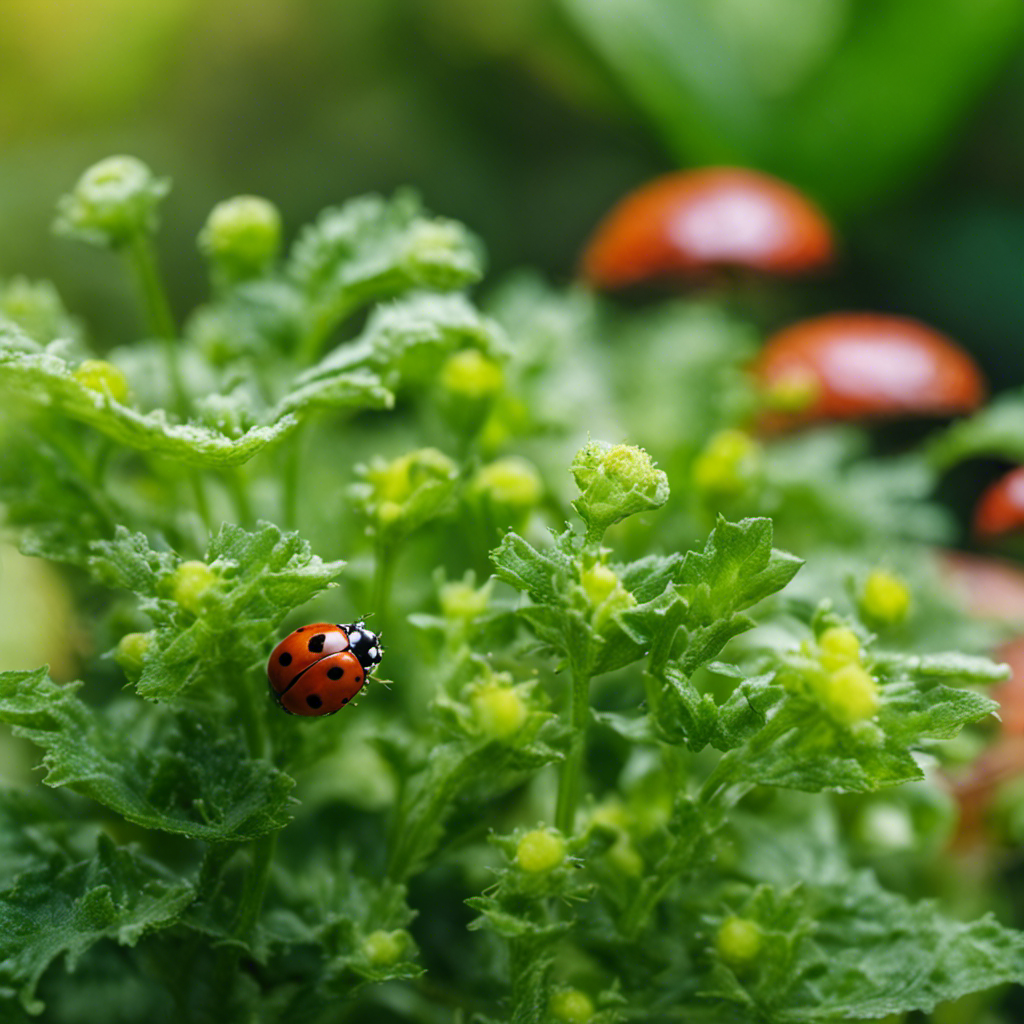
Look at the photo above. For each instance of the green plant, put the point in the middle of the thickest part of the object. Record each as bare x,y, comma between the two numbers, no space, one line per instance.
646,779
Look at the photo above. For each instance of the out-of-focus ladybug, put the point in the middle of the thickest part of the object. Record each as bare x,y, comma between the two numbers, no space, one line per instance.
319,668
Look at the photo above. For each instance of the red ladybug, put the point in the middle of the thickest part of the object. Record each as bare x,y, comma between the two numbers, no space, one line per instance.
319,668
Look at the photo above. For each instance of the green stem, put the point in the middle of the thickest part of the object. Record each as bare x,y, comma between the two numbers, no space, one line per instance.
252,902
292,474
158,312
195,479
570,781
239,495
383,577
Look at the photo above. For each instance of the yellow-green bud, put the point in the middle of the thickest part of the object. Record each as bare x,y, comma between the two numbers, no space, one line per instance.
610,813
571,1006
885,599
499,710
625,857
738,941
113,201
838,646
540,851
852,694
241,236
471,375
511,483
794,391
190,583
385,949
434,242
615,481
725,466
396,480
106,378
131,652
461,600
606,594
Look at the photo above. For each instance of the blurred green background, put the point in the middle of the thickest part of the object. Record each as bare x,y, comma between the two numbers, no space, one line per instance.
528,118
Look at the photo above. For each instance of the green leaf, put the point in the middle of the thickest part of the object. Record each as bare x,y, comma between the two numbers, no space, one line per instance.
35,308
544,575
43,377
371,248
996,430
176,772
260,577
65,908
850,949
803,747
737,568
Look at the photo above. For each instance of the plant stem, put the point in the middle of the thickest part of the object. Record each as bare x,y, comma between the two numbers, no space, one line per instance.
292,475
572,768
252,902
383,577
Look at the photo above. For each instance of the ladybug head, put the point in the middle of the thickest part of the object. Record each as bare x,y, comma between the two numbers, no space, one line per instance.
365,645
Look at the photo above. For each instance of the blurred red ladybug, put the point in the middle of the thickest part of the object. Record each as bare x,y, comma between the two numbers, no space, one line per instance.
319,668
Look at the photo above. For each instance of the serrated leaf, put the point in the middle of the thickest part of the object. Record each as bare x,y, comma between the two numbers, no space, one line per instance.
44,378
544,575
371,248
65,908
261,576
171,771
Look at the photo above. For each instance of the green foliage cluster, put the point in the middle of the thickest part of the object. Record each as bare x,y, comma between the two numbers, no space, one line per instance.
618,772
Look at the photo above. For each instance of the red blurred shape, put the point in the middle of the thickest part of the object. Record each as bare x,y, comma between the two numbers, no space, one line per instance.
689,224
1000,510
988,587
853,366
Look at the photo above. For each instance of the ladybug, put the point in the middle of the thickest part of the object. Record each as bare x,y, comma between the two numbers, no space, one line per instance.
319,668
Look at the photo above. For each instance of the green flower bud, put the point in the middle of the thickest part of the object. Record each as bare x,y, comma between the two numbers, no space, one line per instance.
726,465
571,1006
838,646
625,858
113,201
885,599
106,378
606,594
615,481
385,949
739,941
511,486
130,652
851,694
191,582
241,237
471,376
36,308
500,711
461,601
400,495
540,851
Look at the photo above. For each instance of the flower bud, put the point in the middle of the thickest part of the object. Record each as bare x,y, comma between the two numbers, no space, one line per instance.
511,487
726,465
241,237
437,249
838,646
130,652
540,851
36,308
191,582
385,949
607,596
106,378
851,694
461,601
468,383
500,711
400,495
625,858
113,202
738,941
885,599
571,1006
615,481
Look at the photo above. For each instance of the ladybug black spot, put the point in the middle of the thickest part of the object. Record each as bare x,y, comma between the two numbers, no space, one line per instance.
300,629
316,643
314,701
335,672
344,700
285,659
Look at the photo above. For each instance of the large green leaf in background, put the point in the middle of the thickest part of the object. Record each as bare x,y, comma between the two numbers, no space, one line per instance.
845,98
